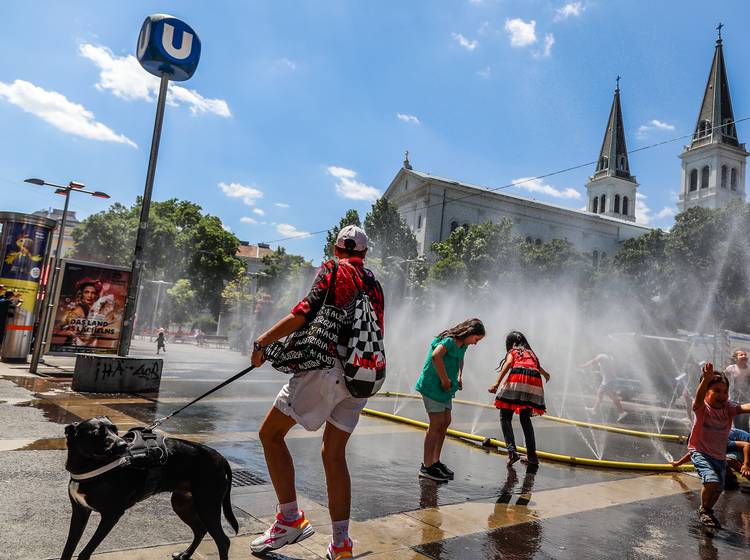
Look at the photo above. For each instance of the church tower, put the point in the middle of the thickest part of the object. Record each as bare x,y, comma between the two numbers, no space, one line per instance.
611,189
713,165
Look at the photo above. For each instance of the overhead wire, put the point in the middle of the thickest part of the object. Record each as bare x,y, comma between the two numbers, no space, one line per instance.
482,190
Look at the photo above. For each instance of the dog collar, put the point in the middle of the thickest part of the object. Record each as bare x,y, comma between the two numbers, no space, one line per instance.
101,470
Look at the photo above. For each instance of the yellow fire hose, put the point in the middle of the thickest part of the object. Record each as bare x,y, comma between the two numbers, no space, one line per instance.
603,427
569,459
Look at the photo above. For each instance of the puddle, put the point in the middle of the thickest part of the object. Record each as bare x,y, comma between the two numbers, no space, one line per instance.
51,411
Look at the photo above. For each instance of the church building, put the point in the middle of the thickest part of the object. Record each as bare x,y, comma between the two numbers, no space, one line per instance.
713,173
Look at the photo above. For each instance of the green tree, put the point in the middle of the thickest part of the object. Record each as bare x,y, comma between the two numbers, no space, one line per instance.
351,218
556,260
182,301
388,232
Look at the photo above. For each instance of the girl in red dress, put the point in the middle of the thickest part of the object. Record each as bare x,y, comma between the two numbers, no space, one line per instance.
521,392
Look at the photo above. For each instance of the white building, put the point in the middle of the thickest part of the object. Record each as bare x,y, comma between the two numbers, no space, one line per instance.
435,206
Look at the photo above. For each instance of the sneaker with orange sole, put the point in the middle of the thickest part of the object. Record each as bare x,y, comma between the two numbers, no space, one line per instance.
282,533
340,552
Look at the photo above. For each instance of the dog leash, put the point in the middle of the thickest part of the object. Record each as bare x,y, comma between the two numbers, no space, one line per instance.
160,421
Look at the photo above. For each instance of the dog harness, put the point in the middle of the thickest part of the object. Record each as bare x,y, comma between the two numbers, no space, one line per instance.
147,450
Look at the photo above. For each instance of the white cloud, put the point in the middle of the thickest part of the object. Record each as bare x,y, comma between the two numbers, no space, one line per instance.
57,110
249,195
259,212
571,9
408,118
288,230
537,186
124,77
642,211
248,220
225,227
287,63
485,72
349,187
521,33
665,212
281,204
468,44
549,40
653,124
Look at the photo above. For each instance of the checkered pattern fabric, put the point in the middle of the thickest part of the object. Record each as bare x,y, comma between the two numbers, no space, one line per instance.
364,370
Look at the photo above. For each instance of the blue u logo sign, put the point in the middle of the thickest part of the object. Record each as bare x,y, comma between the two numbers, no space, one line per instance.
168,45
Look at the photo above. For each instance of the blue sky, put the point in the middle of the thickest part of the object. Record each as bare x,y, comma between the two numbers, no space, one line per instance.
301,110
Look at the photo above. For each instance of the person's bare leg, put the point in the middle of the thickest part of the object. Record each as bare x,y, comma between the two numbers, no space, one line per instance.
616,401
441,436
275,426
598,400
337,473
432,437
710,495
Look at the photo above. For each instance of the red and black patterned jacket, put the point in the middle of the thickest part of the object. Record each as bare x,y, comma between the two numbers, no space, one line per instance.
351,278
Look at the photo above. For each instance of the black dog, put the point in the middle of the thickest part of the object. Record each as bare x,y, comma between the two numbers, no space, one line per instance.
199,478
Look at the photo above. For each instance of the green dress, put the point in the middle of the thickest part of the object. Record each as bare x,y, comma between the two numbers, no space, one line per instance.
429,382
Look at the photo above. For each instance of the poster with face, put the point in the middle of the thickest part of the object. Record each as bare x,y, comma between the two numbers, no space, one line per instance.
88,317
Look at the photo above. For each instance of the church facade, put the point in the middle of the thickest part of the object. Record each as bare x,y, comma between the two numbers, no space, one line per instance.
713,174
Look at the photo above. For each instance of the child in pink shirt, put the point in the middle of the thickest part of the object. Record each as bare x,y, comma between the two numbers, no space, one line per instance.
714,413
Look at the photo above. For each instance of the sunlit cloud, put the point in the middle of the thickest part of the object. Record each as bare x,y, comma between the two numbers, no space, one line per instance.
348,187
467,44
538,186
408,118
249,195
57,110
520,33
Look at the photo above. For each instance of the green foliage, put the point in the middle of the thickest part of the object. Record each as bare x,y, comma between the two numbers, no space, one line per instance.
351,218
389,234
182,301
284,276
182,243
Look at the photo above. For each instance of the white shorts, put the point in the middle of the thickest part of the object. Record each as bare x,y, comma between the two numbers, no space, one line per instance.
312,398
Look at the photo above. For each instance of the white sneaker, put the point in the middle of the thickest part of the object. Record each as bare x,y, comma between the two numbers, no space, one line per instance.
282,533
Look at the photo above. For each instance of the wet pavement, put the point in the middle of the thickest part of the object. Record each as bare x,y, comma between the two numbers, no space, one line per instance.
488,511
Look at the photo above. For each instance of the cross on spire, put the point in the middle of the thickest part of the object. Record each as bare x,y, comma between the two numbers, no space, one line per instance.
718,28
618,83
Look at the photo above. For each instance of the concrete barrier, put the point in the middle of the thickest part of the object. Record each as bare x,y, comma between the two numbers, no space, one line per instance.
116,374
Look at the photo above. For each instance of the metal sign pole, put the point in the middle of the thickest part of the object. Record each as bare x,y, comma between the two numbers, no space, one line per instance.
140,242
49,292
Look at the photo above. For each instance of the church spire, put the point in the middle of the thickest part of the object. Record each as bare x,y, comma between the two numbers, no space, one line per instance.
715,123
613,157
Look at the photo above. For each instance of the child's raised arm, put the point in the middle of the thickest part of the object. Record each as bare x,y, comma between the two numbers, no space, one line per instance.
681,461
700,393
507,363
745,408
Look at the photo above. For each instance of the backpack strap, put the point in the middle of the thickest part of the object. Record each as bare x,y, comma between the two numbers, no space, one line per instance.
332,284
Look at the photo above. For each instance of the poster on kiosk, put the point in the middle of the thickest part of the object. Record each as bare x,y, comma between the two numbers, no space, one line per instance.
90,306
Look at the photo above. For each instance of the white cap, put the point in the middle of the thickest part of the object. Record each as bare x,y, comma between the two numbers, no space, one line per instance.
355,234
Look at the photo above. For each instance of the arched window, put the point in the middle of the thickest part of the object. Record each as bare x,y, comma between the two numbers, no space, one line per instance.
539,241
704,129
625,205
704,177
528,239
621,163
733,181
729,128
419,221
603,204
603,163
617,204
595,258
454,226
595,205
723,176
694,180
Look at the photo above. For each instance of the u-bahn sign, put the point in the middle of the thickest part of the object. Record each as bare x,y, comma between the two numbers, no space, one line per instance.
167,45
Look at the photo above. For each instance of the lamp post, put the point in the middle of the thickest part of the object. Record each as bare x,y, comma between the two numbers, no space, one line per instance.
49,294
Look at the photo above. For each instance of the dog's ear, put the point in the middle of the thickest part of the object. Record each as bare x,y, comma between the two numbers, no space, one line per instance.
71,429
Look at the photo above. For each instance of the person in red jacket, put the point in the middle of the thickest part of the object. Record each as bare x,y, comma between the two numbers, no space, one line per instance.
312,398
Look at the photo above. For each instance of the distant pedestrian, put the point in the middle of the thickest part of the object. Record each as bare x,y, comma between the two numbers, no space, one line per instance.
714,413
441,377
738,375
161,342
605,364
522,392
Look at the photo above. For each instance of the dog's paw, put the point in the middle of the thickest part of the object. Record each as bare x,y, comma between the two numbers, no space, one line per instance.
181,556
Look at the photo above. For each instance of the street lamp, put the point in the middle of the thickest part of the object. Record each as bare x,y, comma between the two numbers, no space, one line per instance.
73,186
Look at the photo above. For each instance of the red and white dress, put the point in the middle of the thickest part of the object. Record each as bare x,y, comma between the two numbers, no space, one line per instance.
522,387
